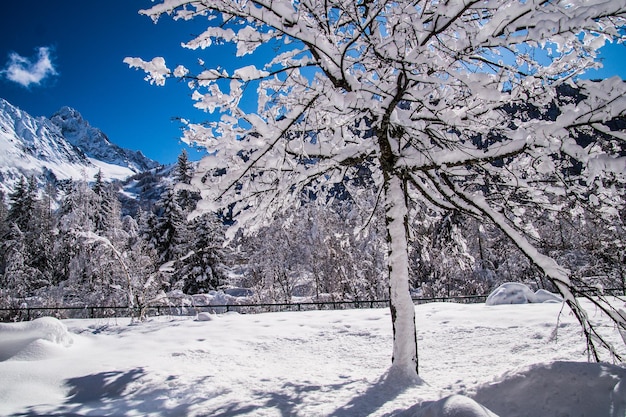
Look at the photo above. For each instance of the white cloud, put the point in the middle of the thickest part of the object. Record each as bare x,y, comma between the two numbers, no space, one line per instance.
25,71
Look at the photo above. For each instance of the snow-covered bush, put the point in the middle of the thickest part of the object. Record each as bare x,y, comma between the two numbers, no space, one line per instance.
517,293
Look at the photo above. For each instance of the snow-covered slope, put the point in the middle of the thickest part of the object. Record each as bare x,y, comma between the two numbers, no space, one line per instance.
63,148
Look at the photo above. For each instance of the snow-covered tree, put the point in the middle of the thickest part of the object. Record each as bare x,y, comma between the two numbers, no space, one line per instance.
184,168
444,262
4,212
27,241
4,231
320,251
22,202
169,232
78,207
201,269
98,186
40,241
187,198
103,211
72,258
459,105
19,277
272,269
89,248
344,245
590,246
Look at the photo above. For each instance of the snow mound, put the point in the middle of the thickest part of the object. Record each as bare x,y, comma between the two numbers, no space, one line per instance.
204,317
544,296
516,293
550,390
456,406
229,296
33,340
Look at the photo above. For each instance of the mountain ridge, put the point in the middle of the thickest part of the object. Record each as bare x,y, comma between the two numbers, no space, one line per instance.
64,146
95,143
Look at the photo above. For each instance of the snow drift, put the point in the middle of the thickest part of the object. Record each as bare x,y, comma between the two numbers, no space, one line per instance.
516,293
456,406
33,340
597,390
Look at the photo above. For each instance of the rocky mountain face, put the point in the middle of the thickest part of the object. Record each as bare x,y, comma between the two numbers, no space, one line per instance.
62,147
95,144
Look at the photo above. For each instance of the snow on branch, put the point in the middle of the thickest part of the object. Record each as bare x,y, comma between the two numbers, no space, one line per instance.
414,160
155,69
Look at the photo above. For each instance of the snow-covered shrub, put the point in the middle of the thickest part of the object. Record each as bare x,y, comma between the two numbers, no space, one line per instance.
517,293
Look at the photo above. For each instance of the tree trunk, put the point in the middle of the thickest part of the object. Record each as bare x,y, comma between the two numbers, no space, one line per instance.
404,360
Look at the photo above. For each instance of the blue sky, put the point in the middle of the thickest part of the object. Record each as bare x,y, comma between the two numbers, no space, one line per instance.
86,42
80,46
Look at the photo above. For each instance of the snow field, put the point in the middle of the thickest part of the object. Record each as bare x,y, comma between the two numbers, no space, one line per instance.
318,363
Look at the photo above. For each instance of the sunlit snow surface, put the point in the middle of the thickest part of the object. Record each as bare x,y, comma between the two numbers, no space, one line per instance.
506,360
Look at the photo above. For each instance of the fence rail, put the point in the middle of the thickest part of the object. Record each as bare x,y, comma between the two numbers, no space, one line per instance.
77,312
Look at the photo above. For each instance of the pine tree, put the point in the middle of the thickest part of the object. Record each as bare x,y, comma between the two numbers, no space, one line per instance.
187,198
5,295
18,273
98,185
100,213
169,234
28,243
201,269
39,240
184,168
22,202
4,230
78,208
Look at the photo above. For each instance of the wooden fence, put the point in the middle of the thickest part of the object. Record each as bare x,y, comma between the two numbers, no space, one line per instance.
30,313
77,312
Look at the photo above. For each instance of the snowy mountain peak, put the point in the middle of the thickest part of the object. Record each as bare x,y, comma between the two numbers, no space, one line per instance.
62,147
95,143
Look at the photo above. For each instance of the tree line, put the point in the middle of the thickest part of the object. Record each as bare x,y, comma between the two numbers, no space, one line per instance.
71,245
